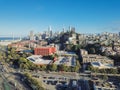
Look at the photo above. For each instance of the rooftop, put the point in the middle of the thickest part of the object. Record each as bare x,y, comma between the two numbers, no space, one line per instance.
101,65
37,59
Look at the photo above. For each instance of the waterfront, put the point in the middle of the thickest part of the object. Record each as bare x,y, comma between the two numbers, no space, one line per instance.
9,38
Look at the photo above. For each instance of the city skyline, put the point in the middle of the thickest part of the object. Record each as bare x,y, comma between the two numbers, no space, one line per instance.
87,16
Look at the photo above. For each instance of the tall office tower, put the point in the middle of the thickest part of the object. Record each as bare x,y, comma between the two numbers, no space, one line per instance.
49,28
63,29
73,29
49,31
40,36
31,35
69,28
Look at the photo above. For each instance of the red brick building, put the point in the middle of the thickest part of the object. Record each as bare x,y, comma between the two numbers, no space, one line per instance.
44,51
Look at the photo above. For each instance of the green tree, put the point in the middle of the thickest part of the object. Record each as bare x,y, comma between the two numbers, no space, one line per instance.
24,66
68,69
53,67
118,69
22,60
9,57
105,77
12,50
43,67
1,57
72,69
52,57
34,82
90,68
96,70
48,67
102,71
76,68
56,55
75,47
92,50
113,71
78,64
28,75
62,67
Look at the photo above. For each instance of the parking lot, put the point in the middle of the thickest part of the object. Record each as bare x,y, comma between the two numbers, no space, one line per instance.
53,80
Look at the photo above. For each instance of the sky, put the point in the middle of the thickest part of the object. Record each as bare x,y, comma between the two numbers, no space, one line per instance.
19,17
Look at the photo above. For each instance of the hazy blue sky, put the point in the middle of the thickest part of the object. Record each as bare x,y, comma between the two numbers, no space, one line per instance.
87,16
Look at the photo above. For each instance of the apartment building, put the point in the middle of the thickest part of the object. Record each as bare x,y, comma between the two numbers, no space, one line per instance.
88,58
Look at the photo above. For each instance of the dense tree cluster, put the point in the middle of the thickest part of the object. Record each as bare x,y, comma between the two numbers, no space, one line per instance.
33,83
2,56
18,59
62,67
93,48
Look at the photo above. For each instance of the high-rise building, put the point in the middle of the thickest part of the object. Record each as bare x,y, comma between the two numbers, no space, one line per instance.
73,29
49,28
31,35
69,28
49,31
63,29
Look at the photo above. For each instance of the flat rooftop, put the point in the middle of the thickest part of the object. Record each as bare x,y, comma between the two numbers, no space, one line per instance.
68,61
101,65
37,59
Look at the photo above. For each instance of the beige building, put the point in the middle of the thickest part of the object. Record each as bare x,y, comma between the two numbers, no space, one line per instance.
83,52
88,58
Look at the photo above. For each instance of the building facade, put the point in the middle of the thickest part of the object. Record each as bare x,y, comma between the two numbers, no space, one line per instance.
44,51
88,58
